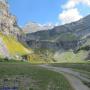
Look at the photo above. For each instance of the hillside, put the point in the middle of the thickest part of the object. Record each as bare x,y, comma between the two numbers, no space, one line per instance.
66,40
12,48
80,29
11,35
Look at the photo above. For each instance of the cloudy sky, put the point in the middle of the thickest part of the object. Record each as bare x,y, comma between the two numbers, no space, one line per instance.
49,11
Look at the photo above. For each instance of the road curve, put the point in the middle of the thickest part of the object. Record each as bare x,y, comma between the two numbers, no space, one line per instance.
73,78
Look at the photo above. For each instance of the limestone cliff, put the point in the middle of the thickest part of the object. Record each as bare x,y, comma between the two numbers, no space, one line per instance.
8,22
10,34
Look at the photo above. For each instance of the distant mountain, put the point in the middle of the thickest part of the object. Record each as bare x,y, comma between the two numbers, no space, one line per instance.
34,27
78,29
67,36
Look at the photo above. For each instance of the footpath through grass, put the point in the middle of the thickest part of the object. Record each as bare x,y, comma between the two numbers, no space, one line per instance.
25,76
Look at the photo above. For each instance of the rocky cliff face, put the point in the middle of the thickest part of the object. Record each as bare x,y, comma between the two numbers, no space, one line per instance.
11,35
8,23
3,49
66,45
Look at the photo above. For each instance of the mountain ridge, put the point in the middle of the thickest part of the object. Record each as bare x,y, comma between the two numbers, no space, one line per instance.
78,29
71,27
32,27
66,37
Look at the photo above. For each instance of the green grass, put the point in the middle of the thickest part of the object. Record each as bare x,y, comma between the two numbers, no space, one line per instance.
42,56
82,68
38,78
67,37
63,37
71,57
78,66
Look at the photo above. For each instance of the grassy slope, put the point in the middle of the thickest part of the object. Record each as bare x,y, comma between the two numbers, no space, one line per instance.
13,46
65,37
64,57
16,48
70,57
40,78
42,56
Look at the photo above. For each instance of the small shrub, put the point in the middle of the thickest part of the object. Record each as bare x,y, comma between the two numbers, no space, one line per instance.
6,59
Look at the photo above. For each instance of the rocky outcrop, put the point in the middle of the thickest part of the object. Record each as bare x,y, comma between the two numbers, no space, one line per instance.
8,23
3,49
11,35
66,45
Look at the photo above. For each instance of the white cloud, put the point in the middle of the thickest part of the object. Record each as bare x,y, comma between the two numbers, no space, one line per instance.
73,3
87,2
69,4
69,15
70,12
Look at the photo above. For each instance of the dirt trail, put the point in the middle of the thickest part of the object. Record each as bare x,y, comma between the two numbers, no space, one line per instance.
72,77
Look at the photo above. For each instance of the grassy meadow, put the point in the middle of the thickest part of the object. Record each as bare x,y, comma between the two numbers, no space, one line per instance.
31,77
84,66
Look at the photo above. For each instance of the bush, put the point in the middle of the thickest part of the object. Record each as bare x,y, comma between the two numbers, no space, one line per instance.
86,48
6,59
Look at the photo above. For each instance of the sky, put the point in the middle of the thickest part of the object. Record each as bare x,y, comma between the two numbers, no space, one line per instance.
49,11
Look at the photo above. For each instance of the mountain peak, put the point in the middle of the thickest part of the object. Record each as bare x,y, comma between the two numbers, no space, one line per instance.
34,27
